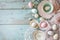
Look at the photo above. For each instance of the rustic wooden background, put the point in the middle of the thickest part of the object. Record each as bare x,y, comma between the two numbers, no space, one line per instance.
13,19
11,12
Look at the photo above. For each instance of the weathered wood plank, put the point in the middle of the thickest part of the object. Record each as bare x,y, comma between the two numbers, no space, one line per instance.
11,13
13,32
11,19
14,0
12,5
14,16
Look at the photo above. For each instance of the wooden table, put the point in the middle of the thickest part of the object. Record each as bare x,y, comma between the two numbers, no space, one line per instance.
13,19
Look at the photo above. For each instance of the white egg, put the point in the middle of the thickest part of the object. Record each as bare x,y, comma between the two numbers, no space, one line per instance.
34,24
34,10
50,33
41,18
36,15
55,36
54,27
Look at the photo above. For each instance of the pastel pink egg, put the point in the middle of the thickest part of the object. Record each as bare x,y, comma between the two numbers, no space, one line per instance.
30,5
43,25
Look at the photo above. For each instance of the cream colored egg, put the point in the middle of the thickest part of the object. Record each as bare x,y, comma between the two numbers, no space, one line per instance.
55,37
50,33
36,15
34,24
47,8
41,18
54,27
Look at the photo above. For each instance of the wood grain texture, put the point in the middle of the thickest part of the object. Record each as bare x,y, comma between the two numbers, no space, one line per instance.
13,5
14,16
13,19
13,32
11,12
14,0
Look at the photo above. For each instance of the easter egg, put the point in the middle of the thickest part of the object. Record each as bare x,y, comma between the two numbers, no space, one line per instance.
43,25
55,37
34,10
54,27
50,33
41,18
34,24
30,5
36,15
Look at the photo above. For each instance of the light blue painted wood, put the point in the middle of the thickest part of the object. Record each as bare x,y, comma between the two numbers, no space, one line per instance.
14,16
13,5
14,0
13,32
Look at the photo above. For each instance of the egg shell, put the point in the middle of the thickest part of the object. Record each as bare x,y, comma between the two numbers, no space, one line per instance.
36,15
34,24
43,25
55,36
54,27
41,18
34,10
50,33
30,5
